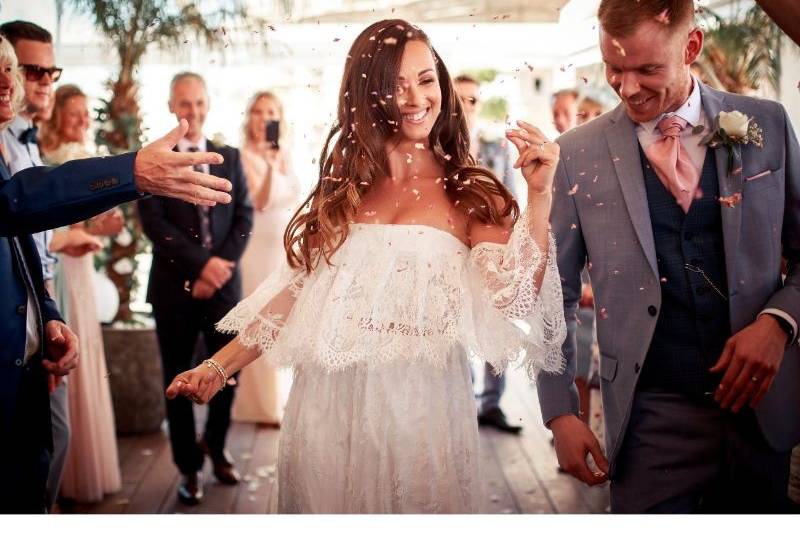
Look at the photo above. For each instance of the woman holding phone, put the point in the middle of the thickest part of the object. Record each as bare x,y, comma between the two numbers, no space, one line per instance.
274,191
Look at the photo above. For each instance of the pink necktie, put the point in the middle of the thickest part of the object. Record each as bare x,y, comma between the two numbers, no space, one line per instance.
672,164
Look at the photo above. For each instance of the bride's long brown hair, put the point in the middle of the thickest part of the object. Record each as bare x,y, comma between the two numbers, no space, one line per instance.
368,116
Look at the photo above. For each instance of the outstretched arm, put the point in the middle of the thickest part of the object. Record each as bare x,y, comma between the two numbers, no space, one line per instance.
258,321
41,198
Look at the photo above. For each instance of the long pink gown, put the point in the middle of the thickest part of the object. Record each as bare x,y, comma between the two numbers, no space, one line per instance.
258,393
91,468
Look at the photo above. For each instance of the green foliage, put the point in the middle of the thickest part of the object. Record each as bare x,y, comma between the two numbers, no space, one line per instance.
741,53
486,75
132,27
495,109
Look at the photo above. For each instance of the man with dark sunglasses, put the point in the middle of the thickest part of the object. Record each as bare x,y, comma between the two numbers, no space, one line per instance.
34,48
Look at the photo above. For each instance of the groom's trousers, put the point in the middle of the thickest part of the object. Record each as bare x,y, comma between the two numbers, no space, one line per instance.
177,329
683,455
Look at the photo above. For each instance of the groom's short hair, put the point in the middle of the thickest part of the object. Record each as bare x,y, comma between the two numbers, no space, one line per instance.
620,18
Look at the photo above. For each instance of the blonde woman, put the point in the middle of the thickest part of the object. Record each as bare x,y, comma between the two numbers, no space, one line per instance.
92,467
274,192
407,257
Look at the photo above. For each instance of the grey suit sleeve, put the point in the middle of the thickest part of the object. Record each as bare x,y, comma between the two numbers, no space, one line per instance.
557,393
787,299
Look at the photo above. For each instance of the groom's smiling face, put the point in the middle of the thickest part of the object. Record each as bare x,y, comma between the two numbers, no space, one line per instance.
649,68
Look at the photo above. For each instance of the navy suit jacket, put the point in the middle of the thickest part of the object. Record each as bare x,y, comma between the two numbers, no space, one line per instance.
174,228
32,200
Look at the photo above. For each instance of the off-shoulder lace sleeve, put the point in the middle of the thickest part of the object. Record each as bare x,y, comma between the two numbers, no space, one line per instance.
259,318
515,318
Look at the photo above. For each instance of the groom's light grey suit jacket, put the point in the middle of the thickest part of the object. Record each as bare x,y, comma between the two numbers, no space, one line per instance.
600,215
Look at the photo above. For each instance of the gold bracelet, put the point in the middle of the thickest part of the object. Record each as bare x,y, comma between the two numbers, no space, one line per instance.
219,369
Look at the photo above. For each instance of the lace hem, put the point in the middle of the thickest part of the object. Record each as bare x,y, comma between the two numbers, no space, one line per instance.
506,275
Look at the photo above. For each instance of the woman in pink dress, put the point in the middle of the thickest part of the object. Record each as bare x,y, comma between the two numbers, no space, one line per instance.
274,192
92,466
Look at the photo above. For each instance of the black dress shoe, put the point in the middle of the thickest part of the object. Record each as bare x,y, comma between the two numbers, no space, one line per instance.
224,469
190,491
495,417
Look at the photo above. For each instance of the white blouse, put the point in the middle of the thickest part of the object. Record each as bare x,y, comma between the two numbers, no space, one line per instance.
410,292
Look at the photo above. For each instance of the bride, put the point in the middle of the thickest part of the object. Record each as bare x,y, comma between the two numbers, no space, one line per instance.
405,256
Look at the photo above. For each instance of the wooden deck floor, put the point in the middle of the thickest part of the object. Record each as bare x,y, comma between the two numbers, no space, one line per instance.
520,471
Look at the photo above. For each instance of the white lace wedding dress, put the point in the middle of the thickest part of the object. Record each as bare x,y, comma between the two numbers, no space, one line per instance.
381,416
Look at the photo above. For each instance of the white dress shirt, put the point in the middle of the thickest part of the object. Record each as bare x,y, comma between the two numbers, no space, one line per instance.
185,144
20,157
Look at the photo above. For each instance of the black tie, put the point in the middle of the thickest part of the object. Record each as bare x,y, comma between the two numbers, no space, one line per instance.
203,214
28,136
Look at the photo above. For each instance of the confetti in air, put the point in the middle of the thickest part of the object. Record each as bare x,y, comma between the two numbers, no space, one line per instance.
732,200
619,47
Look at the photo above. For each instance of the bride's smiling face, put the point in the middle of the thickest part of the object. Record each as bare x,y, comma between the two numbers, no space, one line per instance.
419,96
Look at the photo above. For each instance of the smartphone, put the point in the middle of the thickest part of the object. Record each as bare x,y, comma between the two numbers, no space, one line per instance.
273,132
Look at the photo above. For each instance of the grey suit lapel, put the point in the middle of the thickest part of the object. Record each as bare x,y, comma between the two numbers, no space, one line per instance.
730,184
624,148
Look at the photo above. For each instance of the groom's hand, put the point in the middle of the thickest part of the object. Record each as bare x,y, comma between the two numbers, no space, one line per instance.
750,360
574,441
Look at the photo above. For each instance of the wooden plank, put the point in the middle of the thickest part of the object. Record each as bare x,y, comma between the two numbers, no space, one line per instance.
499,498
567,494
219,498
144,450
528,493
260,482
160,479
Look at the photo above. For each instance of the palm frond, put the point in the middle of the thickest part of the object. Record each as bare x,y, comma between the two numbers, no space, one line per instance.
742,52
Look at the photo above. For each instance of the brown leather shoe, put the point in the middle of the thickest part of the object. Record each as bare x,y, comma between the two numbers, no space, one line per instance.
190,491
226,473
224,469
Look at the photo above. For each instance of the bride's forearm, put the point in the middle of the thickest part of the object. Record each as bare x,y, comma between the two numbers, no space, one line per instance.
538,208
234,356
539,205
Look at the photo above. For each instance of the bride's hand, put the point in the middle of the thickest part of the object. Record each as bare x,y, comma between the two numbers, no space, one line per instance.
538,157
199,384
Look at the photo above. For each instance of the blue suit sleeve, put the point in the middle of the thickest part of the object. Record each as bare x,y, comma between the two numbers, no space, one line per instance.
41,198
50,310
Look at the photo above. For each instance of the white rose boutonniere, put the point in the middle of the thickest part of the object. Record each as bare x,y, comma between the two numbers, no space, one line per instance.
732,129
218,139
735,124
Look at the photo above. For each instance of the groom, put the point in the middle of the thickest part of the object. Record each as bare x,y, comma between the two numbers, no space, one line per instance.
697,329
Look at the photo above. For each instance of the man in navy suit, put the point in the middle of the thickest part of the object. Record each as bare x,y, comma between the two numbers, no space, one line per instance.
194,282
34,338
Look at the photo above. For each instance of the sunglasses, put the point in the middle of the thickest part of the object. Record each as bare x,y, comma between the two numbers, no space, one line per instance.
36,73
